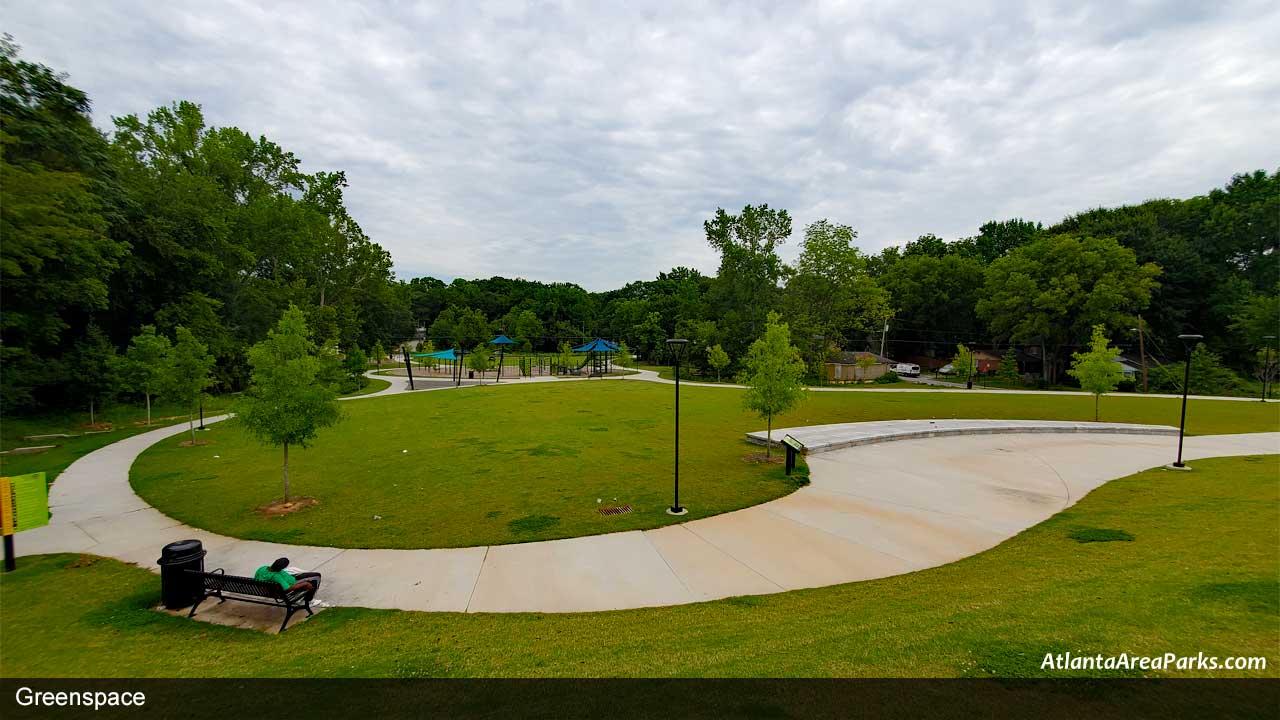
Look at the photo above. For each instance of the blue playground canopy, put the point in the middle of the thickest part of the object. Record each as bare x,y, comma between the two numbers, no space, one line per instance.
503,340
597,345
439,355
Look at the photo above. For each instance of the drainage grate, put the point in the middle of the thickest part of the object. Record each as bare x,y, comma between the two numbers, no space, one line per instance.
617,510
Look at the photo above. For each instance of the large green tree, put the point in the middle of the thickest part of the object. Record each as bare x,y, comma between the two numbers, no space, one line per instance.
1053,290
747,284
147,367
287,403
772,372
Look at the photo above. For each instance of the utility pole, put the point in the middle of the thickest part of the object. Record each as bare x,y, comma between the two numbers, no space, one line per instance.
884,336
1142,350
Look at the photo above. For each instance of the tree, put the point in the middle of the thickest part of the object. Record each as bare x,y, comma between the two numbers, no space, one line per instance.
286,403
1009,367
566,356
718,359
479,360
623,357
1096,369
95,365
935,297
356,363
190,375
1208,376
963,363
146,367
750,269
379,353
772,372
1052,290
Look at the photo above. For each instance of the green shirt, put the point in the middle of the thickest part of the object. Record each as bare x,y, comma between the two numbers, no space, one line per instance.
266,574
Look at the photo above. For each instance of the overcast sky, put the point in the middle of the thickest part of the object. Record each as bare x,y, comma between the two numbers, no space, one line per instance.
587,143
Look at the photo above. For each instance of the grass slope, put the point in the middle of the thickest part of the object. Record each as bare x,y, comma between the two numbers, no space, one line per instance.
493,465
1199,574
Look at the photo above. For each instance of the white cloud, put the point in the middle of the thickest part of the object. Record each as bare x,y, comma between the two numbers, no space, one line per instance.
587,143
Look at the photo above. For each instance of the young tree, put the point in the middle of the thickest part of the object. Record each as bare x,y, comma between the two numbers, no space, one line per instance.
718,359
287,403
1009,367
356,363
379,353
190,375
146,365
772,372
566,356
479,360
96,367
963,363
1096,368
623,357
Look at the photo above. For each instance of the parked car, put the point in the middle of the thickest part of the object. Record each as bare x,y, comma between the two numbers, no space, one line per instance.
947,369
908,369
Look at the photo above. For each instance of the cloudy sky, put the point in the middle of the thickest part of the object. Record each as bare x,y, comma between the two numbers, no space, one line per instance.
584,142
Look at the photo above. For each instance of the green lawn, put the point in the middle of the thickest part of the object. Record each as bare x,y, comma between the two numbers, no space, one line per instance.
122,421
492,465
1199,575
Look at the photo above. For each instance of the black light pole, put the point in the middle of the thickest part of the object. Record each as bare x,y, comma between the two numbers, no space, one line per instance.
677,347
1186,380
973,365
1266,366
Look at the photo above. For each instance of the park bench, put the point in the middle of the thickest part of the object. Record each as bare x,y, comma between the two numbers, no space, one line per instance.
244,589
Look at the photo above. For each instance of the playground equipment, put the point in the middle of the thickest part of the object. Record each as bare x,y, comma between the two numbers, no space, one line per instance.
599,356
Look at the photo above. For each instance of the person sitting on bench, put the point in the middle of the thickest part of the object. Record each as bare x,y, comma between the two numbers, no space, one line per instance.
275,572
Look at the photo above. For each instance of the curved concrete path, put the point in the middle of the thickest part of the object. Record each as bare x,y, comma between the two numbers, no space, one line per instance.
871,511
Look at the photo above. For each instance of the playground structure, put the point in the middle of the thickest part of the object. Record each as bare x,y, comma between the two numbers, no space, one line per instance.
596,361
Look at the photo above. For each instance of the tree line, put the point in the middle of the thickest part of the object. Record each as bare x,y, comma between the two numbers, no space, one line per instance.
167,223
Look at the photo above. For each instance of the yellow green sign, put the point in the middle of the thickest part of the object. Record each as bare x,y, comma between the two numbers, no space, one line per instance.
24,503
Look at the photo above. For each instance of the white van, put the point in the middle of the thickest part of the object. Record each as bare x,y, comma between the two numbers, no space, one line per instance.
908,369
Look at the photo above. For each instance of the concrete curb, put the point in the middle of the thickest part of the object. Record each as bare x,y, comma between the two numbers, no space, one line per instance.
825,438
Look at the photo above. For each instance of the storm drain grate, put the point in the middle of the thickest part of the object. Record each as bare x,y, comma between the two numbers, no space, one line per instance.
615,510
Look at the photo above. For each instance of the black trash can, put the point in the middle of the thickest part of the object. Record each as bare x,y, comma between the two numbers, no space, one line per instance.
177,588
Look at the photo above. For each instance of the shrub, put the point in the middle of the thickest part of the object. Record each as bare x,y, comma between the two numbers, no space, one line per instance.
886,379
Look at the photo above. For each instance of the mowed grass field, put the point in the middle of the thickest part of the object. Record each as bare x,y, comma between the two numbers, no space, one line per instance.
516,463
1198,574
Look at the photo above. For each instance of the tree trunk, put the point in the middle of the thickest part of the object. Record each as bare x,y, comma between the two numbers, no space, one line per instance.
286,472
148,408
1095,407
91,418
191,423
768,435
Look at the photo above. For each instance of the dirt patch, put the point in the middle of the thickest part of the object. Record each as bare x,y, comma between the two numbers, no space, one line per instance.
777,458
96,427
194,443
280,507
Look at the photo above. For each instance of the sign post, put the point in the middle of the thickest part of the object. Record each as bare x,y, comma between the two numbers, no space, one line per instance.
793,447
24,504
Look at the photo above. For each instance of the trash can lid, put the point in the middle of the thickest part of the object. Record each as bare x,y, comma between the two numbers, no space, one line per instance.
181,548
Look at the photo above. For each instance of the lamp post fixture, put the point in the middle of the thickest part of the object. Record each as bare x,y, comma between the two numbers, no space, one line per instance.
677,347
1186,380
1266,367
973,364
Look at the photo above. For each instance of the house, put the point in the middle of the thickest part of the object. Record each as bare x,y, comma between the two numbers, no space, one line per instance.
857,366
1131,368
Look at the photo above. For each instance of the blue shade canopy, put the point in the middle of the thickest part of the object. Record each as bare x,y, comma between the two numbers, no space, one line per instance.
503,340
597,345
439,355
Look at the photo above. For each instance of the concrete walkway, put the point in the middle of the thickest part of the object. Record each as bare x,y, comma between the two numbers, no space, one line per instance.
871,511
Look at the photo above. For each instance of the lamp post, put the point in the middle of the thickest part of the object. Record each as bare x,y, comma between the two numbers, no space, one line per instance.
677,346
1266,366
973,364
1186,380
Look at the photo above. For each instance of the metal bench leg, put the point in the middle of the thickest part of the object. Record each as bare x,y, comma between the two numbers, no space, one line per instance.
193,607
287,615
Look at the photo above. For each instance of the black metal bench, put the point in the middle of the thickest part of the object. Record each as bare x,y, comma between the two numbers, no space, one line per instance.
245,589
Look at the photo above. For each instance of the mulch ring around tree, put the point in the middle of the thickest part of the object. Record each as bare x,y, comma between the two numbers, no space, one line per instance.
283,507
194,443
760,458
